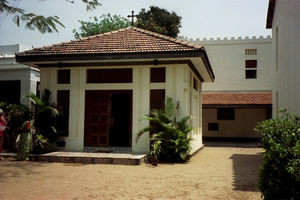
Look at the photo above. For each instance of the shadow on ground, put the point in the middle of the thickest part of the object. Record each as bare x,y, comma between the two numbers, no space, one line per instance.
245,171
9,168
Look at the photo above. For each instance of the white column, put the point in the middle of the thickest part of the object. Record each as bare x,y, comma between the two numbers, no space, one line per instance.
81,106
73,141
170,82
180,85
45,79
52,85
141,107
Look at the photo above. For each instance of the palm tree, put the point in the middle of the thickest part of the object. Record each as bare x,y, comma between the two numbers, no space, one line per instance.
170,139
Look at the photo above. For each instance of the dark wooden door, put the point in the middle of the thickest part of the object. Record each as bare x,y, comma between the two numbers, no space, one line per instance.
97,118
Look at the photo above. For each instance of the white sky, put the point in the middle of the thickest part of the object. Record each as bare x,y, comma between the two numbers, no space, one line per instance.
200,18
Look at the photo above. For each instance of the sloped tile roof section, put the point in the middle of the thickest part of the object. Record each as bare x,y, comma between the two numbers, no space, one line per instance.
129,43
237,98
124,41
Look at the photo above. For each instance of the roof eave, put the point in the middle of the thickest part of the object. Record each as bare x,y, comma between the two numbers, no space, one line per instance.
237,105
114,56
270,14
32,59
207,65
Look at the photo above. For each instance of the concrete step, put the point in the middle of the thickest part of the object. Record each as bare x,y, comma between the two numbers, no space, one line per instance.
86,158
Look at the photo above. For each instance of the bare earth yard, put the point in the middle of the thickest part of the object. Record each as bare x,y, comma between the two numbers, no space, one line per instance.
214,173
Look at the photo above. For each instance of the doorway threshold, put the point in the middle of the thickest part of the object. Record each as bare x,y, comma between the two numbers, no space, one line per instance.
108,149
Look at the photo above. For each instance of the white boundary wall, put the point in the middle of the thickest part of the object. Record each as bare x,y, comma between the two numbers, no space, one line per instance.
227,58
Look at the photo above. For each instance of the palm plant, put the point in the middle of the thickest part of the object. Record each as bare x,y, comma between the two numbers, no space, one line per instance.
170,139
45,115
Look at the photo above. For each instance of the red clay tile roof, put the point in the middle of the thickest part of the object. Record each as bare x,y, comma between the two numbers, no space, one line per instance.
128,40
237,98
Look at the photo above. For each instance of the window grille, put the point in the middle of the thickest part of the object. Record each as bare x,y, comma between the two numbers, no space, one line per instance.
109,76
158,75
250,51
63,76
157,99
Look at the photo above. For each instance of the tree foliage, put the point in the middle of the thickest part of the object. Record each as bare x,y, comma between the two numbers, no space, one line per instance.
170,139
160,21
156,19
41,23
279,177
104,23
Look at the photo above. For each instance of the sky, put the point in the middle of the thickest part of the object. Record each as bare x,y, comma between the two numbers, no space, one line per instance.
200,18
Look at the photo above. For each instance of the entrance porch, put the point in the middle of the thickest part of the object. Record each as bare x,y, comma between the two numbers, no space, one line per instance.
108,118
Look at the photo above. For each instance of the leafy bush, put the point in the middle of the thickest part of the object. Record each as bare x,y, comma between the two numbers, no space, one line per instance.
46,118
170,139
279,177
15,116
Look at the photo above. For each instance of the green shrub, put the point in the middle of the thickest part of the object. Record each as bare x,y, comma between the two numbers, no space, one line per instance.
279,177
170,139
40,144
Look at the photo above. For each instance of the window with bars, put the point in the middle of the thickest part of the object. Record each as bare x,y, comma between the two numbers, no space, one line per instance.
213,126
63,106
250,51
225,113
251,69
251,74
38,89
195,84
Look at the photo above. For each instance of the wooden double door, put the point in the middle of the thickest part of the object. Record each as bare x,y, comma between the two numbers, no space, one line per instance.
108,118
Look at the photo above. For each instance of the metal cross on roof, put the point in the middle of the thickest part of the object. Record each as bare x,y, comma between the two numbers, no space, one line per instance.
132,16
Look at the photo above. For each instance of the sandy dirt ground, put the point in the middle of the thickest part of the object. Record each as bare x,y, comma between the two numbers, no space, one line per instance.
213,173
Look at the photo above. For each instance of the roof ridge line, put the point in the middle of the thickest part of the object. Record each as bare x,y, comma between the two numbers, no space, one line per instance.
176,40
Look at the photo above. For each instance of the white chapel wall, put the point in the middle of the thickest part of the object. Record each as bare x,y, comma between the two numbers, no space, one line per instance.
177,86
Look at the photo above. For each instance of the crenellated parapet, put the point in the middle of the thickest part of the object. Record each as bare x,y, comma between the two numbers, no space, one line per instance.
231,40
